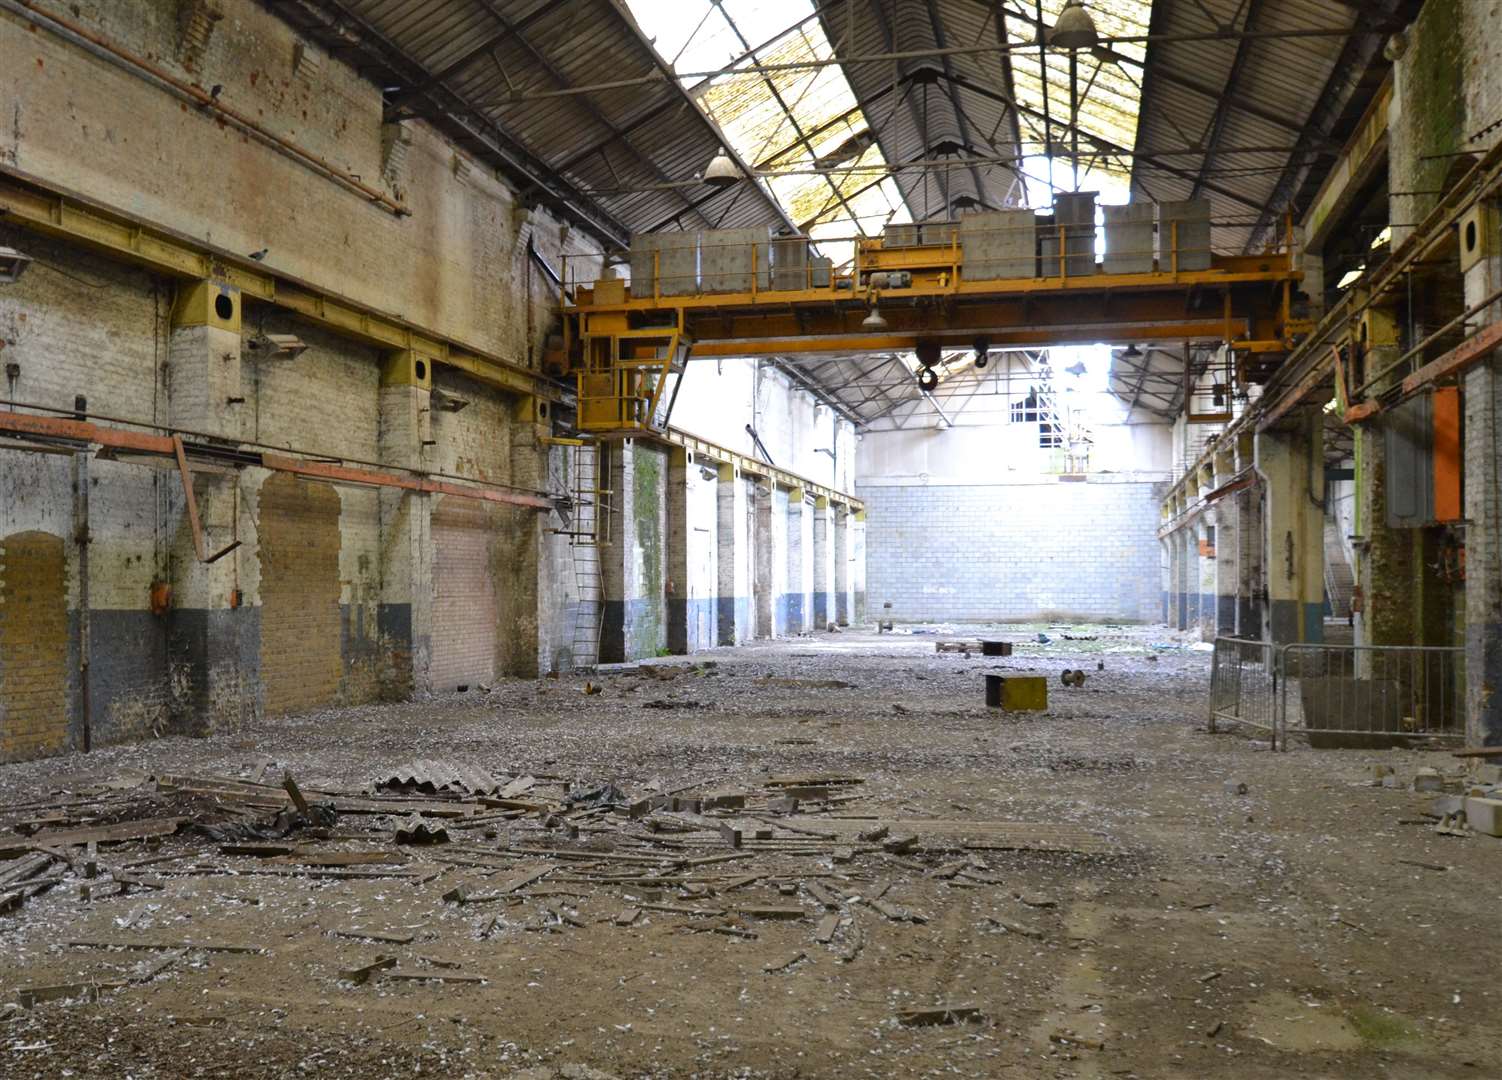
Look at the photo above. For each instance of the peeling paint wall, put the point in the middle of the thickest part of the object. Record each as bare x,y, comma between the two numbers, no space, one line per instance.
328,598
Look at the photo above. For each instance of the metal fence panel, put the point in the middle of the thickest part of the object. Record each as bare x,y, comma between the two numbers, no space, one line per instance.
1339,696
1243,685
1372,697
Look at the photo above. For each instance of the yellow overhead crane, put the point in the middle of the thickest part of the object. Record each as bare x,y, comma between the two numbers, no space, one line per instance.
621,346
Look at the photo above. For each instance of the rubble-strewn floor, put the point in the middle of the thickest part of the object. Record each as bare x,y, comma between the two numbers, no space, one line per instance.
1315,926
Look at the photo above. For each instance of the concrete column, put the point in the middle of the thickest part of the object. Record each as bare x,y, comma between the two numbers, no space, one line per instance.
763,589
777,556
733,558
799,563
1384,568
1205,550
1165,572
1313,284
1482,391
842,565
404,615
617,570
692,575
858,613
1384,560
680,531
1181,579
526,590
1227,578
1249,549
823,563
1290,458
213,627
634,562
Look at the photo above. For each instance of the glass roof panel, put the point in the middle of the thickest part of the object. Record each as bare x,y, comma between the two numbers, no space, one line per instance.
802,130
1109,81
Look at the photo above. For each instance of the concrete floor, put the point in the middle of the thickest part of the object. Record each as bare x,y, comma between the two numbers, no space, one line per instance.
1297,930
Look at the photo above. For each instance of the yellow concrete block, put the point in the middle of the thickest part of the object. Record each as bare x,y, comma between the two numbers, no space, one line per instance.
407,368
1022,693
207,303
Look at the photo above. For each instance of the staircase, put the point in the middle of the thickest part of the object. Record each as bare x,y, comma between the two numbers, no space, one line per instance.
1340,582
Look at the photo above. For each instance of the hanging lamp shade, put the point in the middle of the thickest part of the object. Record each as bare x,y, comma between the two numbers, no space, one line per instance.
1075,28
873,321
722,172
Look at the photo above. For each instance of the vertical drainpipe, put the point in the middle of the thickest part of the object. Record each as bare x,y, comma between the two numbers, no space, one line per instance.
81,538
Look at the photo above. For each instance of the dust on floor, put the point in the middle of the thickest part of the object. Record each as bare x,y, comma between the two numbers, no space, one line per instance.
1316,925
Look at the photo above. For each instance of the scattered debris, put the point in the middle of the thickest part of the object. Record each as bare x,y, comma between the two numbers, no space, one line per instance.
416,829
825,931
774,966
937,1014
360,975
1428,779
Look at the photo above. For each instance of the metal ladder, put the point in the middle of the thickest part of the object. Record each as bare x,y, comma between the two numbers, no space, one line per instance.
588,532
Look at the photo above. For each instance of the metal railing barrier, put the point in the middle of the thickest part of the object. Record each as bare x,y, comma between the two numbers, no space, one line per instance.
1371,697
1365,697
1244,685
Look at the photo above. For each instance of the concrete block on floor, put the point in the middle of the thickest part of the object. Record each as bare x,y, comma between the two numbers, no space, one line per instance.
1484,815
1428,779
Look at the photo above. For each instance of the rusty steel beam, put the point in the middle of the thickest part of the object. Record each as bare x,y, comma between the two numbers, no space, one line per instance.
173,446
344,474
1468,352
200,544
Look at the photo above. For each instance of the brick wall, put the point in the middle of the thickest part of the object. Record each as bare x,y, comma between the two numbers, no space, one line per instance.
330,588
465,609
1013,552
34,646
300,620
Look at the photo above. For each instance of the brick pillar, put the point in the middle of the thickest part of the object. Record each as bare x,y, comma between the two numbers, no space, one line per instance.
404,616
1384,569
733,603
1227,578
823,563
680,530
1182,539
858,613
213,628
1290,458
1313,284
799,563
778,556
525,589
842,565
1249,550
1205,551
616,557
1165,574
1482,391
1384,561
763,589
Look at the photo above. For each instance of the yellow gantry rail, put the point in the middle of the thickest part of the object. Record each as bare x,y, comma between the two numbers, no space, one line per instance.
621,346
118,236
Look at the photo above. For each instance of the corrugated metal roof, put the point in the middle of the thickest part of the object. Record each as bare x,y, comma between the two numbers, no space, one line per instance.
1243,114
933,108
1236,118
633,152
